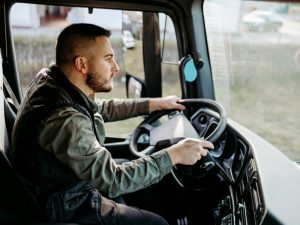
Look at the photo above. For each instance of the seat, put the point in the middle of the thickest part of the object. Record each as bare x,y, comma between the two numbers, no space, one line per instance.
17,204
10,117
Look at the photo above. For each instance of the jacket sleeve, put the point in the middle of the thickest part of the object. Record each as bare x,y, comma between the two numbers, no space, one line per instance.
69,135
119,109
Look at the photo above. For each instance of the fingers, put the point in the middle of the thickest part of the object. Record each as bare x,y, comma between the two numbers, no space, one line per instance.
206,144
191,150
172,102
203,152
203,143
169,102
199,154
179,106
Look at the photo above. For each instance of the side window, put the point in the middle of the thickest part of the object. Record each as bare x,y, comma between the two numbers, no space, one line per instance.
254,49
35,29
34,38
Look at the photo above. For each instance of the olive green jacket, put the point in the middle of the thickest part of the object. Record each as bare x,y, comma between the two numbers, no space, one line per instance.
69,134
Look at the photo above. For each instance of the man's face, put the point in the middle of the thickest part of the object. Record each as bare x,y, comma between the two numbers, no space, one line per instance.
102,66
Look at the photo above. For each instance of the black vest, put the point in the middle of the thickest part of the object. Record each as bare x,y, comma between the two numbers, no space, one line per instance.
53,183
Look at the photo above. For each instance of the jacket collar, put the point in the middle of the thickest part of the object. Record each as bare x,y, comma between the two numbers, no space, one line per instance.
75,93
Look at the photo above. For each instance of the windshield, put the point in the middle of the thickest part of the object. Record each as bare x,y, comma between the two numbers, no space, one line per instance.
254,49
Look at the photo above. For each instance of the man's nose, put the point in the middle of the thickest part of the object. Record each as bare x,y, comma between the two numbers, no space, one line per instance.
116,67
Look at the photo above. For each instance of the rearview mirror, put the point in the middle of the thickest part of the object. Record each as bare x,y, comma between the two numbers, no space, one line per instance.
135,87
188,69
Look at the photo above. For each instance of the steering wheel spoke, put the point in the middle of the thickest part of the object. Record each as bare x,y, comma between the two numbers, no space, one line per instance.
146,127
147,151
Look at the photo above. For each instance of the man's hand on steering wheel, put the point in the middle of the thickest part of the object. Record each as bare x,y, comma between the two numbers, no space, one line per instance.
165,103
188,151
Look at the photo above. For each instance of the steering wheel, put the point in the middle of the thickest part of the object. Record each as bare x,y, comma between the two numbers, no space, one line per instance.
212,120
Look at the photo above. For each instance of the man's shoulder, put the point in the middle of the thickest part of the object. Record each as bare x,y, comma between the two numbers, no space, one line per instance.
66,112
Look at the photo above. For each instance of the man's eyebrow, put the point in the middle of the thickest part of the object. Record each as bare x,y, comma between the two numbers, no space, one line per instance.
109,55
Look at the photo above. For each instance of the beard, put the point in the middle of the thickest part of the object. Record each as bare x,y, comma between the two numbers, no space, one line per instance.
98,85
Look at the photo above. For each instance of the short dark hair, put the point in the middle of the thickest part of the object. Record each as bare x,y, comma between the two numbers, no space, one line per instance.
76,36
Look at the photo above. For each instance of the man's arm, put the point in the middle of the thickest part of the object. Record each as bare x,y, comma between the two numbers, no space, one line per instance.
119,109
69,135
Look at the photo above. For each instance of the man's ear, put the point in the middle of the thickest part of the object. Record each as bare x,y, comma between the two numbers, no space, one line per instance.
80,63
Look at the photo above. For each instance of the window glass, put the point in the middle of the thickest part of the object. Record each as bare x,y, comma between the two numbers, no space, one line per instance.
254,49
132,37
170,57
35,29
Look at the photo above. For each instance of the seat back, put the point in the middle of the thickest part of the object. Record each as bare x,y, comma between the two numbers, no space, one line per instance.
17,203
9,116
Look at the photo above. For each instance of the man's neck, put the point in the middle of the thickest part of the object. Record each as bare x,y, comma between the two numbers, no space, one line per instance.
77,80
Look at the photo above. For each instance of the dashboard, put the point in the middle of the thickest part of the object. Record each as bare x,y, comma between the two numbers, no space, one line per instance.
243,202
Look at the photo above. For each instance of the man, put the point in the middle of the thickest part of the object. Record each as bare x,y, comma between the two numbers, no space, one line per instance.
62,155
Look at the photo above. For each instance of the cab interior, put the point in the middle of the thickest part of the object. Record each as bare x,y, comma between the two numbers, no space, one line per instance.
234,185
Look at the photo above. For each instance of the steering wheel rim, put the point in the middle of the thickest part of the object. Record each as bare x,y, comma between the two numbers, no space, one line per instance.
141,127
212,137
